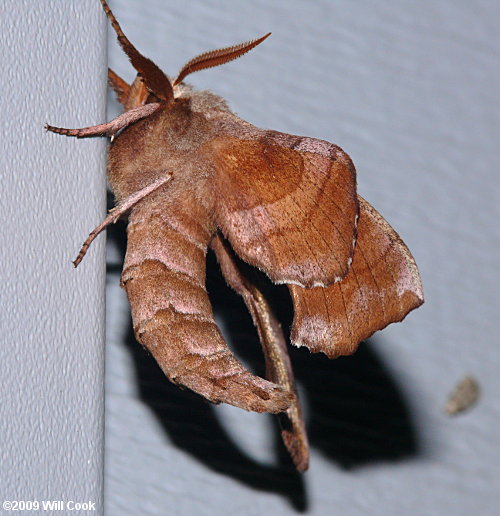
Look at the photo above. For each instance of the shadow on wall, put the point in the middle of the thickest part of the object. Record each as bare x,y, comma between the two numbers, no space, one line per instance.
356,413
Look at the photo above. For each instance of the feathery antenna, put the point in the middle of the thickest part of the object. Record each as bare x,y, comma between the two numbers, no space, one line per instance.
154,78
217,57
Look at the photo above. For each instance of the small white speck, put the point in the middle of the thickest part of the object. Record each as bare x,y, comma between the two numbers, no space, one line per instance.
289,282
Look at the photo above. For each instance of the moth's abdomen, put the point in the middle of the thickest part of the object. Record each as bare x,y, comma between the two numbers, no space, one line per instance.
164,276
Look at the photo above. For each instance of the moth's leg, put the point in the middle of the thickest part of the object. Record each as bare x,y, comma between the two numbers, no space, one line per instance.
110,128
118,211
278,366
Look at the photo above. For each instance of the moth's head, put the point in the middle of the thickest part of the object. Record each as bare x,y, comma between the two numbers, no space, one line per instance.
151,83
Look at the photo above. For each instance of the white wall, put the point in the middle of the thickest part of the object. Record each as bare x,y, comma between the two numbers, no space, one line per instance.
51,195
410,91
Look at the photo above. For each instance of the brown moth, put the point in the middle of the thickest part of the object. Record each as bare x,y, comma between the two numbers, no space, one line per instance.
192,175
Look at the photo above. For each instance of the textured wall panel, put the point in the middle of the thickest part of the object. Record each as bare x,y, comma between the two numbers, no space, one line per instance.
409,90
51,194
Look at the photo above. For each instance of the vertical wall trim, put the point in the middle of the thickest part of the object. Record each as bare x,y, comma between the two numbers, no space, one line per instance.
52,193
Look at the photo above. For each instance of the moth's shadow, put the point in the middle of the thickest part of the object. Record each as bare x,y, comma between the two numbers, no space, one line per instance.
356,413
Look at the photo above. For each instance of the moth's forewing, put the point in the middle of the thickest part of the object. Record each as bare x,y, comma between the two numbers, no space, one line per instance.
287,204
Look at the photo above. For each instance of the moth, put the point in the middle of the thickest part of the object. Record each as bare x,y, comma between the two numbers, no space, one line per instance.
191,175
